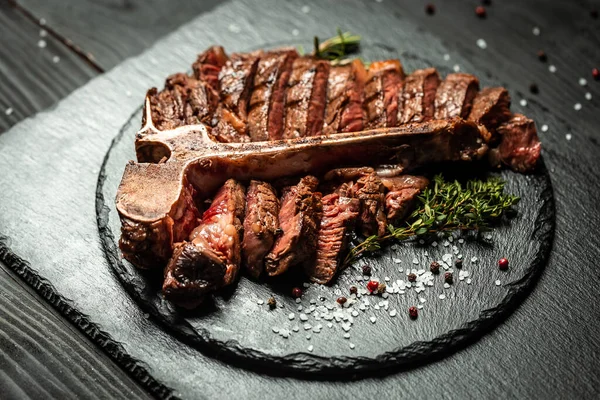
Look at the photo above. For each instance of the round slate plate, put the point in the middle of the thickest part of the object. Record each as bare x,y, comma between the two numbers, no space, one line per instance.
318,338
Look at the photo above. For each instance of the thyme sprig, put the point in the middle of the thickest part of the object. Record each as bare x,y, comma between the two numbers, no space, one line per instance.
446,206
337,48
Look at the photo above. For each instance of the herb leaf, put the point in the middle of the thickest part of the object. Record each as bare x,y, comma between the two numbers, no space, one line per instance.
337,48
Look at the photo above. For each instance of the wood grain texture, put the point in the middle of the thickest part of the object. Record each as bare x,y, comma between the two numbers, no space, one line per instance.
30,79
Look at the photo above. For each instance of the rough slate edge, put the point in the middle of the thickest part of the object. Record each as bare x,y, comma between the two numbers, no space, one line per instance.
112,80
337,367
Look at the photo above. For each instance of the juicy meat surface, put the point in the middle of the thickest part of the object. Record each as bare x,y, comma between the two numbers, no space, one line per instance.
208,66
454,96
381,93
370,192
344,111
418,96
305,98
402,193
299,218
491,107
266,109
260,225
339,216
519,146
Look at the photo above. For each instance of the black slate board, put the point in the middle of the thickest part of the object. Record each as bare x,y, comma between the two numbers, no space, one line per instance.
236,328
71,257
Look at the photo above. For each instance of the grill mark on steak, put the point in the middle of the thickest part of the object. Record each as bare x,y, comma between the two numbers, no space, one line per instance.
370,192
454,96
491,107
299,218
266,111
402,194
519,146
339,216
305,98
211,257
418,96
260,225
209,64
381,93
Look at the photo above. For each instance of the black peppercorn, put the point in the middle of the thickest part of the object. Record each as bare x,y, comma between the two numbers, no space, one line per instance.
533,88
272,303
412,277
435,267
458,263
448,278
413,312
353,290
430,9
341,300
366,270
542,56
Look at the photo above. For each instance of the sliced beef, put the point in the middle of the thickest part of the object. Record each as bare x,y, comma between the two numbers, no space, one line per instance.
299,218
211,257
266,111
370,192
344,111
208,66
491,107
454,96
339,217
305,98
418,96
402,193
347,174
236,80
384,82
519,146
260,225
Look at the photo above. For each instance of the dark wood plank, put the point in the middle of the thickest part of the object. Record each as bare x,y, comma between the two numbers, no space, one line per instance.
44,356
110,31
35,71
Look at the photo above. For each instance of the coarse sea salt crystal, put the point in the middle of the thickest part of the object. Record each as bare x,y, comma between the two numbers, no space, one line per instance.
442,296
536,31
373,319
275,329
393,313
468,281
56,59
552,68
354,313
588,96
422,299
305,9
295,32
582,81
346,336
352,345
260,302
396,260
456,68
577,106
446,57
330,324
41,44
461,241
298,300
523,103
446,286
420,306
296,328
544,128
234,28
303,317
568,136
481,44
415,261
291,316
308,337
310,348
498,283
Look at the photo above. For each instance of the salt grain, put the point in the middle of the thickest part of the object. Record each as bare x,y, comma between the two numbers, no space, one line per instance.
303,317
536,31
582,81
308,337
42,21
456,68
481,44
498,283
295,32
588,96
234,28
296,328
468,281
461,241
354,313
43,33
8,111
552,68
568,136
544,128
352,345
420,306
275,329
305,9
415,261
446,57
446,286
261,302
346,336
523,103
577,106
41,44
291,316
298,300
393,313
372,319
422,300
310,348
56,59
442,296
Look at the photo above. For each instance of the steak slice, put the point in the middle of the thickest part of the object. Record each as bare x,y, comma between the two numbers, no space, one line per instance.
402,193
418,96
299,217
344,111
235,80
211,258
370,192
519,146
381,93
208,66
454,96
491,107
339,217
266,111
260,225
305,98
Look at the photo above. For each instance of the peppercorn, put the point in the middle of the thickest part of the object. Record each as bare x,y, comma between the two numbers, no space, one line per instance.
435,267
412,277
458,263
533,88
448,278
430,9
503,264
367,270
413,312
381,288
296,293
487,2
341,300
272,303
480,12
353,290
596,73
594,14
372,286
541,54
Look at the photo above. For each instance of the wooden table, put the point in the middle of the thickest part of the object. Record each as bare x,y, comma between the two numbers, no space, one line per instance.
50,48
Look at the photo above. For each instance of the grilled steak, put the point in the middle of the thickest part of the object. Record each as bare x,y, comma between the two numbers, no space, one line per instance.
491,107
339,216
266,112
371,195
208,66
403,191
344,111
306,97
519,146
454,96
260,225
418,96
381,93
299,218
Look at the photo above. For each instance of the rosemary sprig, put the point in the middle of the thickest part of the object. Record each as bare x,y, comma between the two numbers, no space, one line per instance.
446,206
337,48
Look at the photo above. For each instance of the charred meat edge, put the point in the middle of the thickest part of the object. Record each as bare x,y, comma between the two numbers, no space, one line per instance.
454,96
519,146
491,108
402,194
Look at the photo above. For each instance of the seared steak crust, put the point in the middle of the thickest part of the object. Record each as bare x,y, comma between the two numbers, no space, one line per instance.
260,225
381,93
402,193
418,96
519,146
370,192
491,107
208,66
299,218
454,96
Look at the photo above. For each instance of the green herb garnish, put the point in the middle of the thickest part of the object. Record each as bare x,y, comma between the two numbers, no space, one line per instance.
446,206
337,48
